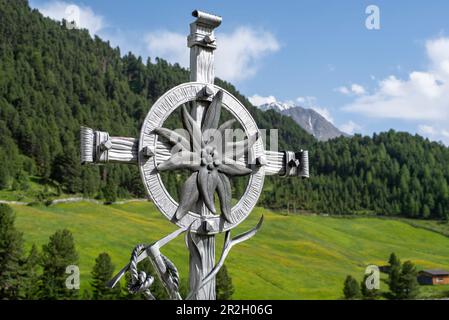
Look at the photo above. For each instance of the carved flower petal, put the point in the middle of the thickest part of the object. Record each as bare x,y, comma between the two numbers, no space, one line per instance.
222,133
226,125
207,183
195,253
173,137
194,130
189,196
181,160
225,195
212,116
232,169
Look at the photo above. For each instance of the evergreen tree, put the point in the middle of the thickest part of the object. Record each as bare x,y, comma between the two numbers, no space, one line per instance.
54,80
31,276
393,260
102,272
4,176
351,289
368,293
394,275
409,287
86,295
110,192
10,254
223,284
66,170
57,255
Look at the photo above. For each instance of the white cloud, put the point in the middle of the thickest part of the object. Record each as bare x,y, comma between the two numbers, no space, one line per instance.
357,89
239,53
168,45
426,130
83,16
350,127
434,132
307,101
354,89
237,57
445,134
343,90
257,100
423,95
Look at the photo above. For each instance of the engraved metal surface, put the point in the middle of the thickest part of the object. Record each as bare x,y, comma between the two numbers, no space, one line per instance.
155,119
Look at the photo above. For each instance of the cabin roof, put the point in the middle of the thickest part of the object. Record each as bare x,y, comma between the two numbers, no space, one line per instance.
436,272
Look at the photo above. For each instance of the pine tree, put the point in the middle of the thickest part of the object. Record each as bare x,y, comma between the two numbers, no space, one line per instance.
4,175
393,260
224,287
66,170
394,275
351,288
409,287
10,254
45,97
30,287
57,255
102,272
86,295
368,293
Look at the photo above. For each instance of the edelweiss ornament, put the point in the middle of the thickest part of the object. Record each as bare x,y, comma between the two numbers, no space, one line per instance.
205,157
205,150
208,151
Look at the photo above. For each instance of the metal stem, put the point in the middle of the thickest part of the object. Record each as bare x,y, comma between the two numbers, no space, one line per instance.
202,45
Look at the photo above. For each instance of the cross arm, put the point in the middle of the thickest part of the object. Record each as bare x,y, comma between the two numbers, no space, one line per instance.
287,163
98,147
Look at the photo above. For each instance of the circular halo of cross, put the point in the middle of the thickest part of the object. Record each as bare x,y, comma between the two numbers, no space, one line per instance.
153,154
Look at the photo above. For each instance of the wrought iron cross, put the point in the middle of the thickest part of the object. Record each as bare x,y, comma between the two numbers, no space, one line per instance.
203,148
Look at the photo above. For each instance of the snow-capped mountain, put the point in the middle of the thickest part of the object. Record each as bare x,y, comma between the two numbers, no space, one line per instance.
308,119
277,106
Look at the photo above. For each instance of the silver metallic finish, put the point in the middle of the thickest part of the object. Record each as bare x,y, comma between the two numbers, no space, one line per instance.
125,150
166,270
98,147
202,44
228,244
87,145
140,282
163,107
303,171
209,174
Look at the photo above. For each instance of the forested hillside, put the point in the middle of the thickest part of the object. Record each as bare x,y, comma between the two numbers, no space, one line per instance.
53,80
392,173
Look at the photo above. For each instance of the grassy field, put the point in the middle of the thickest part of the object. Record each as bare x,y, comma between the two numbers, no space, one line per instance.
292,257
35,188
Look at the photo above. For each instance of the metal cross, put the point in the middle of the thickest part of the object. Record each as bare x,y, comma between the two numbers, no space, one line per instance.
159,149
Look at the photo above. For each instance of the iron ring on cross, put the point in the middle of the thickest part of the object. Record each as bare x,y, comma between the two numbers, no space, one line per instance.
198,153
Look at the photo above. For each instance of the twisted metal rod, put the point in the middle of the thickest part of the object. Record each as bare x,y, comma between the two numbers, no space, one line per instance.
140,282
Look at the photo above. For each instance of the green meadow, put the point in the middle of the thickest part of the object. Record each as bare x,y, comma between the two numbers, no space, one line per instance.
292,256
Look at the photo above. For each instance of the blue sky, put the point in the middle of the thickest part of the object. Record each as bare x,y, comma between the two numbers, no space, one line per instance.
315,53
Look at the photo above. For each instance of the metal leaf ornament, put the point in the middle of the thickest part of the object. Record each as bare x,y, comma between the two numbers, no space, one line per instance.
209,155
